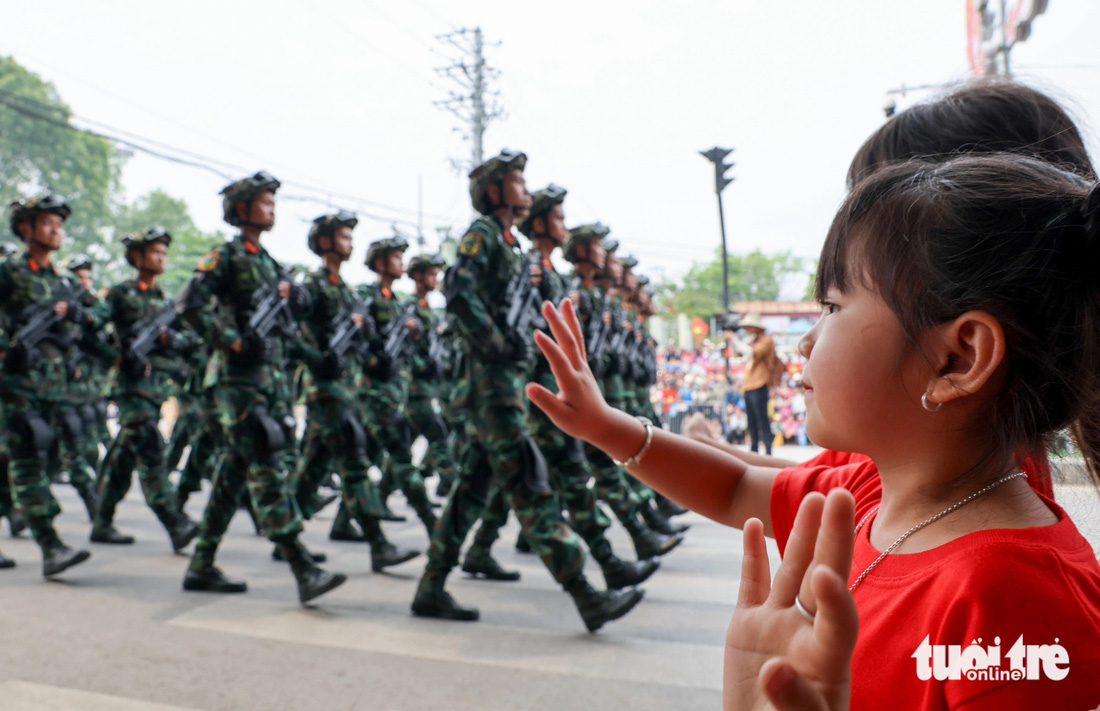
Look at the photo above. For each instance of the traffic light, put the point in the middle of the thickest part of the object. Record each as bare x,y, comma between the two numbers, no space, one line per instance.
717,155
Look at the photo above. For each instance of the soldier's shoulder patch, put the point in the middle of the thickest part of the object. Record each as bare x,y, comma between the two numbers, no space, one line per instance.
209,261
471,244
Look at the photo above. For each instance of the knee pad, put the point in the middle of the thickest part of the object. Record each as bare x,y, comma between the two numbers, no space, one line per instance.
152,443
404,430
536,475
72,427
352,433
35,435
271,436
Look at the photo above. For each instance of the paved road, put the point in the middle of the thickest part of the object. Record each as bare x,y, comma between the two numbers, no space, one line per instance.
118,633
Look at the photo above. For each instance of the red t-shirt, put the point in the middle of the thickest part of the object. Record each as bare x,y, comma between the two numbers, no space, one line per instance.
1040,583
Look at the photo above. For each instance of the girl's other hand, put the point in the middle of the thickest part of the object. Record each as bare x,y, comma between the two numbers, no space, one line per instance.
774,655
578,408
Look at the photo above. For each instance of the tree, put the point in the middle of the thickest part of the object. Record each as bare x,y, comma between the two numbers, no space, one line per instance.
188,242
752,277
41,151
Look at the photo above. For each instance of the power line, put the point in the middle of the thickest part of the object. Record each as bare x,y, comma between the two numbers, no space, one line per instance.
32,108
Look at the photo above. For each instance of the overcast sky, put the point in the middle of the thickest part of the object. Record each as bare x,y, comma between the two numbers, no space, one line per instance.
610,100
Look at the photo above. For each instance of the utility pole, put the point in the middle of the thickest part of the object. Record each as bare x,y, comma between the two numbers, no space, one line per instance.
473,100
717,156
994,28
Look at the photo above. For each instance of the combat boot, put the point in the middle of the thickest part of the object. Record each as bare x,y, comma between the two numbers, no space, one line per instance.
648,543
343,527
669,508
209,578
660,523
620,574
58,557
522,545
389,515
6,562
91,501
479,562
312,556
106,533
181,529
385,554
313,582
440,604
598,608
17,523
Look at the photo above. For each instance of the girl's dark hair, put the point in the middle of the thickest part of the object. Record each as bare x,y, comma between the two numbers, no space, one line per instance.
983,116
1013,236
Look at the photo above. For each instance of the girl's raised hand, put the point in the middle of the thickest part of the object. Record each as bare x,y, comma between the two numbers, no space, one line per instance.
578,408
774,654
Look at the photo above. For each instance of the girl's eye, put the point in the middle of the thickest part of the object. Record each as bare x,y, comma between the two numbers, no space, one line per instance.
829,308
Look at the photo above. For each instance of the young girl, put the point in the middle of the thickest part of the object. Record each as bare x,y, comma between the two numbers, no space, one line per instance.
970,291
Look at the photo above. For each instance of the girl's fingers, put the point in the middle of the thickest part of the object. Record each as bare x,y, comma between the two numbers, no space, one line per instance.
786,690
560,364
565,338
556,409
836,623
799,552
755,570
835,541
574,324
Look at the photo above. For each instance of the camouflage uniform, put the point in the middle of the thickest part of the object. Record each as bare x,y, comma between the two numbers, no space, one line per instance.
41,429
253,398
208,439
139,396
382,392
89,363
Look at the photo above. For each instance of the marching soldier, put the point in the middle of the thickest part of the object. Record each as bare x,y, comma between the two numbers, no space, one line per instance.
585,248
489,263
569,470
428,364
334,437
152,360
89,362
254,327
385,379
40,428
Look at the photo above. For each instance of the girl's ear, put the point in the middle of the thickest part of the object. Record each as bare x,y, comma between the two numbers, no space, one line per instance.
970,349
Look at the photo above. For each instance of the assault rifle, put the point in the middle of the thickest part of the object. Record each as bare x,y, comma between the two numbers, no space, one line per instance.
523,301
348,334
397,334
40,320
596,338
272,311
147,331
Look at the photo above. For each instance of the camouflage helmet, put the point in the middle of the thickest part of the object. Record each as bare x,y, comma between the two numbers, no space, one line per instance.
78,261
492,172
643,281
28,210
381,247
628,262
244,190
326,226
543,201
138,241
611,245
8,248
585,234
422,262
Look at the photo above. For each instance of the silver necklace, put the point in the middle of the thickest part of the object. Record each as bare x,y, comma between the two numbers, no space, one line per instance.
922,524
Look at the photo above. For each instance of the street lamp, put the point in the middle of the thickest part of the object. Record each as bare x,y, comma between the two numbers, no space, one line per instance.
717,156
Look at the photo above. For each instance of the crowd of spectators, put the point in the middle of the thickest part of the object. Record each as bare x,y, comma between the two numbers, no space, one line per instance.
690,381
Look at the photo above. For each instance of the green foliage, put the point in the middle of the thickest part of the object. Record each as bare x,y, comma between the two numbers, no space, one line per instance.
188,242
39,153
752,277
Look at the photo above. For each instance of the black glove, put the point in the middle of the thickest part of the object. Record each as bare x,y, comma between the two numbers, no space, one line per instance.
20,358
330,367
255,349
77,313
382,366
133,366
519,348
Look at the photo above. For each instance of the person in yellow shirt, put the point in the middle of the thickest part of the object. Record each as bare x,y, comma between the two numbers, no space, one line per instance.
760,349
